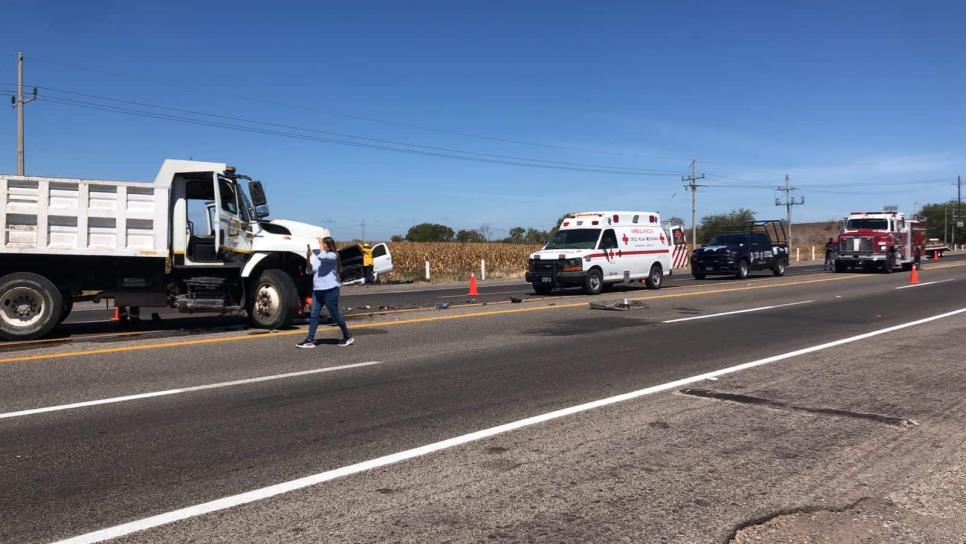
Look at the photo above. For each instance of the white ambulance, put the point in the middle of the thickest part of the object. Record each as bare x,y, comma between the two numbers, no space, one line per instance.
596,250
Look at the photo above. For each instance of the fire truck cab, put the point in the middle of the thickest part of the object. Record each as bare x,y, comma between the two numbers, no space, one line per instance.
885,240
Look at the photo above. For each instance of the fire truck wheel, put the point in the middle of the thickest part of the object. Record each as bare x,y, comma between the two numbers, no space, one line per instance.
594,283
890,264
742,272
840,267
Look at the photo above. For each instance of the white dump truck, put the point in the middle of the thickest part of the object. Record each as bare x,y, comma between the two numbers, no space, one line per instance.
192,240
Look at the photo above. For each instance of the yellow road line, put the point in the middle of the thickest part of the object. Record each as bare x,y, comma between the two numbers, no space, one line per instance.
430,319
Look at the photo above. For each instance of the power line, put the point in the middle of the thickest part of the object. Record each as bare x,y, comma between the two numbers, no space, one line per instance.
320,139
789,202
340,134
350,115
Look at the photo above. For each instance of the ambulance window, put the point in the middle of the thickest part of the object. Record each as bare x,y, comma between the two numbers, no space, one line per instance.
636,217
608,240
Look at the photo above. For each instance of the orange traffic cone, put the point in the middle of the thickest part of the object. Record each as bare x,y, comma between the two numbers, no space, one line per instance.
473,292
914,275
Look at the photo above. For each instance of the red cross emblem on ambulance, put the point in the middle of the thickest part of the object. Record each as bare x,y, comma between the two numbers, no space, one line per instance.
662,238
626,239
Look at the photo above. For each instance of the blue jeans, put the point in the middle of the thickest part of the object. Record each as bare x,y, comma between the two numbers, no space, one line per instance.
330,299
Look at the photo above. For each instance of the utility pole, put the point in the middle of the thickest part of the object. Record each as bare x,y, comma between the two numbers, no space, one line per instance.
789,201
959,202
363,230
19,102
693,187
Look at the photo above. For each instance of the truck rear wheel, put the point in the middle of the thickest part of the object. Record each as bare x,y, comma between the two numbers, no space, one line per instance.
594,283
67,300
30,306
274,299
655,278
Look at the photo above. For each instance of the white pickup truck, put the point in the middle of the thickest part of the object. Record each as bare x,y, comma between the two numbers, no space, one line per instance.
192,240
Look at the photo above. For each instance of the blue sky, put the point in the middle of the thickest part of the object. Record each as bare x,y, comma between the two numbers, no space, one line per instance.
859,102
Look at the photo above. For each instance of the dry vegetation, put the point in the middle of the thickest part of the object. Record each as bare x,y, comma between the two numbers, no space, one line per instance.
455,261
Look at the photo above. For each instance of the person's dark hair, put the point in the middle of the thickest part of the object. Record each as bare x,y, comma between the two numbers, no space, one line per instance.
329,244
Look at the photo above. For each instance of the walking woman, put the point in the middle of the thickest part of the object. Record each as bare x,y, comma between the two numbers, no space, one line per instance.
324,263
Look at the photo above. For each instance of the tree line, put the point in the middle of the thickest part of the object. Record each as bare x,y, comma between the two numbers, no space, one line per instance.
435,232
938,220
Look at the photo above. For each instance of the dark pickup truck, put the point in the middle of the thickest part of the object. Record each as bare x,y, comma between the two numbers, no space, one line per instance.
759,245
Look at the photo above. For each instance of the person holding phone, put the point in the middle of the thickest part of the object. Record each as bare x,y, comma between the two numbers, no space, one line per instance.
323,264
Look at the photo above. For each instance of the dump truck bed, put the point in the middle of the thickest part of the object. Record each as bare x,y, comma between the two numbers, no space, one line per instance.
42,215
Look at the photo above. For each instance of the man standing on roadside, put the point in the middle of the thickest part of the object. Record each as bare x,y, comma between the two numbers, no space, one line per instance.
830,251
324,264
367,264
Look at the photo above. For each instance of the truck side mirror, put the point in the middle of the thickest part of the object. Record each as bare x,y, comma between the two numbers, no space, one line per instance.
258,193
259,200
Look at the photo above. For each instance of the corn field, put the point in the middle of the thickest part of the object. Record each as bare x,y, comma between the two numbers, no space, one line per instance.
455,261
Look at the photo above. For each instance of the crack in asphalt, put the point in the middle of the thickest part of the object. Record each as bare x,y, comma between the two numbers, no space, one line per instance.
760,401
761,520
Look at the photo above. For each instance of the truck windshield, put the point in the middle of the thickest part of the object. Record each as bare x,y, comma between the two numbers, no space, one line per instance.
867,224
728,239
574,239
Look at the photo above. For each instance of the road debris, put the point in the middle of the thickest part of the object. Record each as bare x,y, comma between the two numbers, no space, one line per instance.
621,305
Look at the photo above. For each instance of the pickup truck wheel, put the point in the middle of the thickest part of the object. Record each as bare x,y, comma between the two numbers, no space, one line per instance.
542,288
655,278
697,272
594,283
779,268
274,300
30,306
742,272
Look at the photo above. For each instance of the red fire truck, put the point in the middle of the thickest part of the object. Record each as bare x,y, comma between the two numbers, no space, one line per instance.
885,240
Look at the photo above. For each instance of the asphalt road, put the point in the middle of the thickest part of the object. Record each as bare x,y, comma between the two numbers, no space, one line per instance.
426,377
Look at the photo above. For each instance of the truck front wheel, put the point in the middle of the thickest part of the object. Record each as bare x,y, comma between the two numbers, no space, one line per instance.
890,263
30,306
594,283
273,303
542,288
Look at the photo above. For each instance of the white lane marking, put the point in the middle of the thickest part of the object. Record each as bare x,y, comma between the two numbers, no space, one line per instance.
737,312
315,479
482,293
178,391
925,283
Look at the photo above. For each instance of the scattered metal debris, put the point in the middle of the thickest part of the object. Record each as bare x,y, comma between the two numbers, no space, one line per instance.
516,300
618,305
442,306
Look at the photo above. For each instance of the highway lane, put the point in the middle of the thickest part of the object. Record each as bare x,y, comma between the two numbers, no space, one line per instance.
74,471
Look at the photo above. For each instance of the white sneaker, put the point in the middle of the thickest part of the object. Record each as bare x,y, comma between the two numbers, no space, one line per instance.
306,344
347,342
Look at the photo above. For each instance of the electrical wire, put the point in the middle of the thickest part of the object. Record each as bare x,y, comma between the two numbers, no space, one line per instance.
320,139
349,115
362,138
